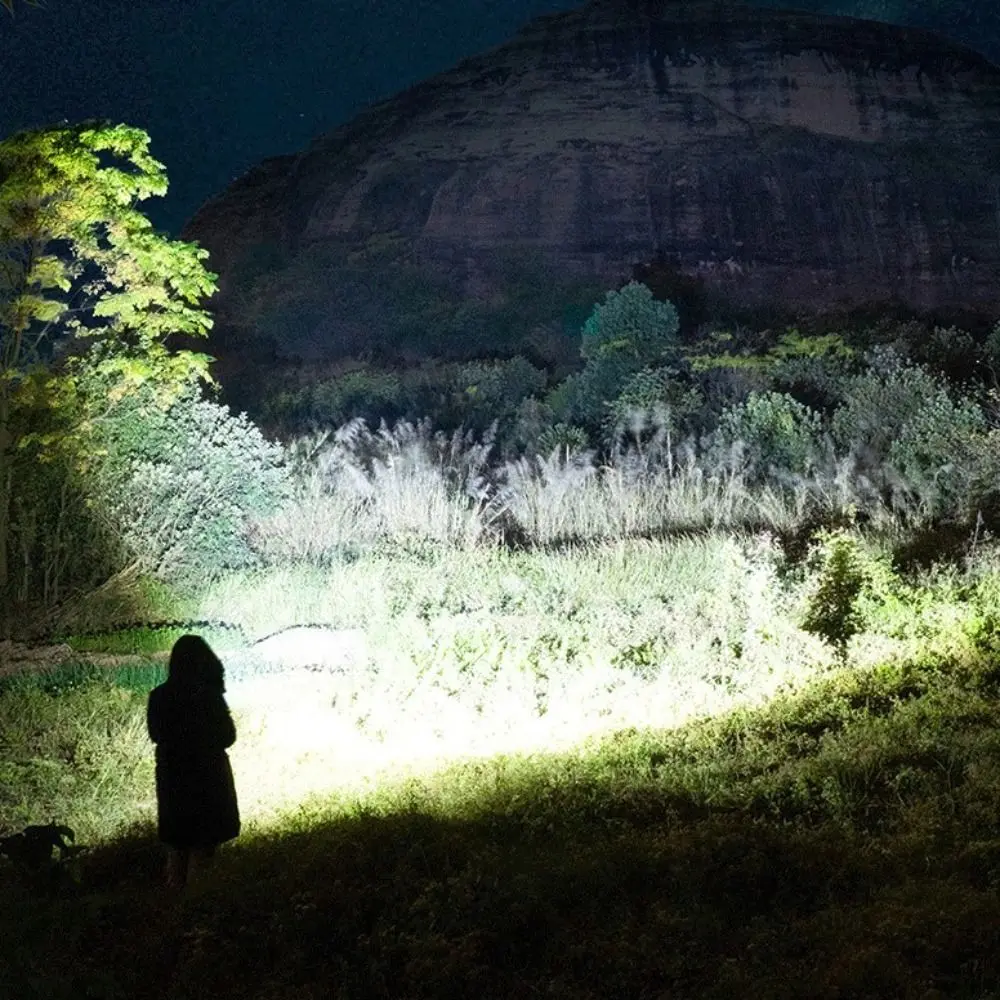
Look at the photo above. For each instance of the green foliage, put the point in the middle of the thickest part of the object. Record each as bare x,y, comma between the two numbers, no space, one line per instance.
908,424
749,828
877,403
139,678
493,390
475,395
628,332
361,392
565,439
89,295
776,431
833,611
497,395
948,351
531,419
179,485
56,543
939,452
991,352
64,677
792,347
590,391
561,399
631,324
658,391
150,638
70,232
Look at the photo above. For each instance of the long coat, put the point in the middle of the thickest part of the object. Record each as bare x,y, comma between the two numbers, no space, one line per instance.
195,792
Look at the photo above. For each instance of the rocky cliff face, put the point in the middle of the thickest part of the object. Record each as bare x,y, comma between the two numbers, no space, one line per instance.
811,161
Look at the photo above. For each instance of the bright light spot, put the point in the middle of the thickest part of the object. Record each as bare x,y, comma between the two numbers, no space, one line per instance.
363,719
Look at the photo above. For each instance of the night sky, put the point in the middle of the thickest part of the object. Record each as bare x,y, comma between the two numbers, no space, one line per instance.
222,84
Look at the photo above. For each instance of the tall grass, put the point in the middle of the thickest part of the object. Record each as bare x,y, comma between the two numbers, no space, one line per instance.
358,489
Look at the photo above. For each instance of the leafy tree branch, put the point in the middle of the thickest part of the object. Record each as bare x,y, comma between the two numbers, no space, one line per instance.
89,292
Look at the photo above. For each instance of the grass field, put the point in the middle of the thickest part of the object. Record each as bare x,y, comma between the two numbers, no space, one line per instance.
616,770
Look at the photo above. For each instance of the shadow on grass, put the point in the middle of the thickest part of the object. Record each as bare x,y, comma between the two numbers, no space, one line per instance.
626,896
842,841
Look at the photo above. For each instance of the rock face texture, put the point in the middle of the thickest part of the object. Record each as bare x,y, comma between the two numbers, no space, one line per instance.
810,161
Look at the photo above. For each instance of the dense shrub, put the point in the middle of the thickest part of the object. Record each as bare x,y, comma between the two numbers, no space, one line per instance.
590,392
939,453
815,380
991,354
537,431
362,392
631,323
833,611
56,542
653,391
777,433
491,391
876,404
178,485
565,439
927,443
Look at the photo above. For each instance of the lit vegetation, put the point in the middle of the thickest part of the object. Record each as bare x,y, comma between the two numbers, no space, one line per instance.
612,766
678,677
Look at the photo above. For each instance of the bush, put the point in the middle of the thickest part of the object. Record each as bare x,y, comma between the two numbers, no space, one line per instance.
590,392
631,324
653,393
908,426
58,544
491,391
566,439
776,431
364,392
876,404
178,485
991,353
939,453
361,392
833,613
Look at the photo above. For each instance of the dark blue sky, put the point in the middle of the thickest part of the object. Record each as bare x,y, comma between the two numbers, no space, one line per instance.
222,84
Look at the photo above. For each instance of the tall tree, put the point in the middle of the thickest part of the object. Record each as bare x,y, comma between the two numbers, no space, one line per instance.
89,292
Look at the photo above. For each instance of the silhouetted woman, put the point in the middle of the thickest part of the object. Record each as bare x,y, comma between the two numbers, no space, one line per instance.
189,722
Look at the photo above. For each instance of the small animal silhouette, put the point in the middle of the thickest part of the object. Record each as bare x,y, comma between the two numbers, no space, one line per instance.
33,847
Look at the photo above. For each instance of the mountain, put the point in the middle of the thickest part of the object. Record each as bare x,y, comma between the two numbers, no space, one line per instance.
760,159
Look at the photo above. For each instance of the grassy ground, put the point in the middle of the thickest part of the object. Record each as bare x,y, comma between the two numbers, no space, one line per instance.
727,812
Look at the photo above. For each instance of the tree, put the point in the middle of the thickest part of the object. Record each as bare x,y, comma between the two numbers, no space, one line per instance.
89,293
629,331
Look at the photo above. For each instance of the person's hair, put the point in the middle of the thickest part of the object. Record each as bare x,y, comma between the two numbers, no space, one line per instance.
193,664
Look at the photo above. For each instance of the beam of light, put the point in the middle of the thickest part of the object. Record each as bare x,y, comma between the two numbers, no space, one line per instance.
364,719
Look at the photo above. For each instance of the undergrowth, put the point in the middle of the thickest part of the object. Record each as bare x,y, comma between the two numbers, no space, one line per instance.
830,831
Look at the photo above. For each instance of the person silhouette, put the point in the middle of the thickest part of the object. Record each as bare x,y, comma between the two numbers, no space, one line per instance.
188,720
